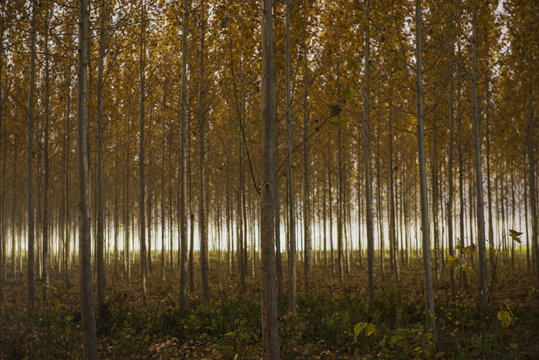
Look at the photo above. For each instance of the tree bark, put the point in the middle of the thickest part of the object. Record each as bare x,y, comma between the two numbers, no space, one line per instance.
449,211
30,304
463,277
306,188
162,205
46,219
277,217
532,193
3,247
330,206
202,202
270,335
429,294
183,205
392,205
367,154
142,208
340,201
85,271
290,177
483,295
100,265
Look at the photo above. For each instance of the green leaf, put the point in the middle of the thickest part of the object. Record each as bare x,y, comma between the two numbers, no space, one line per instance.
470,249
452,261
235,125
504,317
351,93
371,328
56,302
359,327
515,235
352,64
253,141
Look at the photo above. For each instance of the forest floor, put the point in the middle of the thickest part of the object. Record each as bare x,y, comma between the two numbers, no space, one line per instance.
333,321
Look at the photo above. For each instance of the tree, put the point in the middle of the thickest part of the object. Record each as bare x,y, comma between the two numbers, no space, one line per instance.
203,230
449,212
3,247
100,219
30,162
89,334
368,191
290,178
46,219
307,243
270,335
533,195
142,209
183,217
429,293
483,295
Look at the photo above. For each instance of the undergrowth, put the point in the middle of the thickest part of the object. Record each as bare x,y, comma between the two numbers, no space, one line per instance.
331,322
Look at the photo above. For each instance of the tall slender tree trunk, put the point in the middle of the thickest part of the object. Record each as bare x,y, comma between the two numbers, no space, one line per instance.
183,205
242,266
46,219
38,214
228,215
483,295
340,201
449,211
379,203
149,209
126,226
202,202
359,203
527,229
290,177
532,193
489,186
66,158
30,304
429,293
513,222
306,188
100,265
191,213
277,204
367,154
434,176
162,205
330,206
406,218
392,205
502,195
3,245
142,208
324,225
463,277
86,292
116,213
270,335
